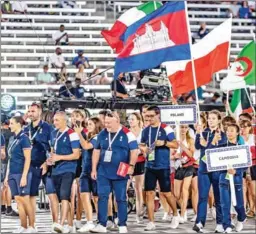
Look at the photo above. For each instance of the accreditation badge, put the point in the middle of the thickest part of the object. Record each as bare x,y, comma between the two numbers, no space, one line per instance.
204,158
151,156
108,156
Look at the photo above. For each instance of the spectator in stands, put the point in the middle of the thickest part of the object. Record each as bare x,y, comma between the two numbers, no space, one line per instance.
80,59
203,31
67,90
245,11
234,9
61,37
2,20
19,7
57,61
6,7
213,100
81,74
252,5
98,79
45,77
121,91
68,4
79,91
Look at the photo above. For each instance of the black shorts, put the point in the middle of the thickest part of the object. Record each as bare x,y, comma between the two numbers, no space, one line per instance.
184,172
139,169
195,172
79,168
63,184
253,172
161,175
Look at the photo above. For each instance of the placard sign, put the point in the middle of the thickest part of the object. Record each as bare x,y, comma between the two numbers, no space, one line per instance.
234,156
182,114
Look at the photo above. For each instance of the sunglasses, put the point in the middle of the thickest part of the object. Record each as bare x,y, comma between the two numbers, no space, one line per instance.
150,116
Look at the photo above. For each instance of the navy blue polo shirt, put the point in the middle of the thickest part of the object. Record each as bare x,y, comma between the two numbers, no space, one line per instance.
17,159
79,92
87,157
63,92
40,138
120,88
124,142
162,154
63,144
2,141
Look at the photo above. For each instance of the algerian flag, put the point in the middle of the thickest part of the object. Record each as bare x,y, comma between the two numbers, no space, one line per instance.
240,102
114,35
242,72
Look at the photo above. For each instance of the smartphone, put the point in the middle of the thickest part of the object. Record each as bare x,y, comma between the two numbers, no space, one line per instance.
78,123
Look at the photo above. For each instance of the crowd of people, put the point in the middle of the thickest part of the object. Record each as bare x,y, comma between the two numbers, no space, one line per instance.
88,165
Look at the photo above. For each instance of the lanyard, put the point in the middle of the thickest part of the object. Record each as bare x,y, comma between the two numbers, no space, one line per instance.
35,134
58,137
149,140
13,143
110,142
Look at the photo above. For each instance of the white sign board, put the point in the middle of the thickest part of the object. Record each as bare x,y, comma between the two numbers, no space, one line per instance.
182,114
219,159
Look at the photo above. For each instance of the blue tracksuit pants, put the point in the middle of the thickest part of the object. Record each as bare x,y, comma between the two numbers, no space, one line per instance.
204,183
105,186
225,199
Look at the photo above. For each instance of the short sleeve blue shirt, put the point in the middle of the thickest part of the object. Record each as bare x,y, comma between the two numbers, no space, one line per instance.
162,154
40,139
87,157
63,144
124,142
17,159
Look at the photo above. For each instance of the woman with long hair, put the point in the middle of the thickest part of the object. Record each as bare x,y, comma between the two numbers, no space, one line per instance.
136,127
77,117
81,74
87,184
184,173
248,184
205,179
18,175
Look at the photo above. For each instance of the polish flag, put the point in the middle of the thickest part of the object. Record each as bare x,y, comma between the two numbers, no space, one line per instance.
211,54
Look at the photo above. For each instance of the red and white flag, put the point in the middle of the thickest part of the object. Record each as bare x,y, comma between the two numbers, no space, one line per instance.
211,54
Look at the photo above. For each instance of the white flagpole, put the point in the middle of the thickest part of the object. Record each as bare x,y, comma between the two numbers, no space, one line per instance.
250,101
227,102
193,64
155,5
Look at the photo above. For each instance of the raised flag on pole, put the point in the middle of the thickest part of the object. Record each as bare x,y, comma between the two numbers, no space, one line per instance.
114,35
154,39
211,54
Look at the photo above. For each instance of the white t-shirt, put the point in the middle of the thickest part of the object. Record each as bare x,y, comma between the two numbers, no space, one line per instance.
250,141
57,35
19,6
58,60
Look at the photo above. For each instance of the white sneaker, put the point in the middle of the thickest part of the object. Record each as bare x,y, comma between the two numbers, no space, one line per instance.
175,221
228,230
30,230
86,228
78,224
198,227
58,228
186,216
99,229
219,228
193,219
68,229
109,224
139,219
20,230
122,229
213,213
239,226
150,227
165,216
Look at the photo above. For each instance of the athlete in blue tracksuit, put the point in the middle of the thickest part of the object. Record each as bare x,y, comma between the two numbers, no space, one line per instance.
205,179
224,186
115,145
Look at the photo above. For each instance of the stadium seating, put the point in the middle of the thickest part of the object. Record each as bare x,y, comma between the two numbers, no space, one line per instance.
27,44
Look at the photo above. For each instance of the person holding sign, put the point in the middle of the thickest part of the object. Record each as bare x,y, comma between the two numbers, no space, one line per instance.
156,141
18,174
114,157
205,178
65,151
224,185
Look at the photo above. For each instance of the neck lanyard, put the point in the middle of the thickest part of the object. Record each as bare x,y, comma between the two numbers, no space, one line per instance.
30,133
58,137
110,142
13,143
149,140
